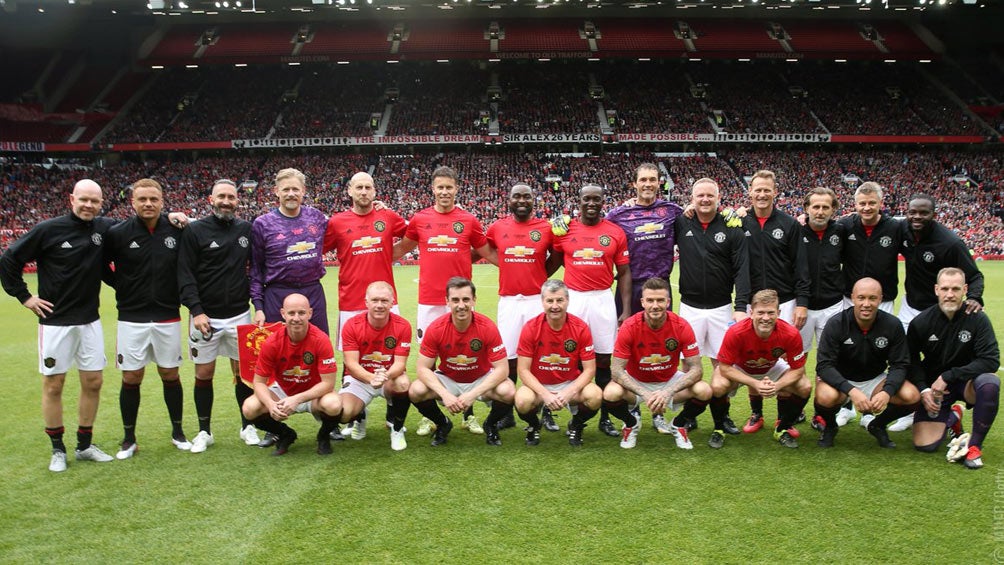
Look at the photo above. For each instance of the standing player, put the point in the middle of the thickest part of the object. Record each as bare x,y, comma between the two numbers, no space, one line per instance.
375,345
646,367
752,354
444,235
953,357
363,238
286,257
144,251
523,245
213,283
590,251
552,348
301,361
871,249
863,356
713,261
68,252
778,262
472,365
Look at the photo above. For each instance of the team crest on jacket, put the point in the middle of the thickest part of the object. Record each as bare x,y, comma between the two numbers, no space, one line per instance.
96,238
571,345
885,241
965,336
719,237
928,257
242,241
170,242
458,227
777,352
604,240
379,225
390,342
778,233
308,358
50,362
834,240
476,345
881,342
535,235
672,344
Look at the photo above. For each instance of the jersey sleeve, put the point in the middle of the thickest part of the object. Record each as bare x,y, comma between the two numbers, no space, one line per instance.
525,348
411,230
326,355
793,350
330,235
399,225
622,256
730,344
430,341
265,366
493,339
403,331
478,238
625,338
688,341
585,339
349,340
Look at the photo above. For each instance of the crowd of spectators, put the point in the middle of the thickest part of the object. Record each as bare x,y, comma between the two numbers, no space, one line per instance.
968,186
336,101
439,99
546,98
651,97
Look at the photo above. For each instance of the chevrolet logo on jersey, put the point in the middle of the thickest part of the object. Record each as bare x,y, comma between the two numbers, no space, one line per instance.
442,240
587,253
519,251
366,241
650,227
376,357
301,247
462,360
761,363
296,374
554,359
654,359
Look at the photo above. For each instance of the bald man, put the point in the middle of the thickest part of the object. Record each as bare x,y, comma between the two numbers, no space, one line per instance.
863,356
301,362
363,239
68,252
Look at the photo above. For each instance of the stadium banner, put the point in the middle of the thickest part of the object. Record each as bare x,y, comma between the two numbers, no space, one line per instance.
908,139
181,146
361,140
724,137
23,146
551,138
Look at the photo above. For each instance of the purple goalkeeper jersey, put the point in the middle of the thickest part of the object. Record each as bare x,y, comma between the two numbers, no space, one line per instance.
649,231
286,251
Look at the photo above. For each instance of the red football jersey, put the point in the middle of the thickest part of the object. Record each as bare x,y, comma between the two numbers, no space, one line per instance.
377,347
743,348
591,253
653,356
522,249
555,355
444,246
365,248
464,356
296,367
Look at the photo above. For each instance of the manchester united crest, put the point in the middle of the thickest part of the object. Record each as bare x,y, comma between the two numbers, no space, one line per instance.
390,342
881,342
535,235
170,242
476,345
570,344
604,240
379,225
777,352
672,344
458,227
308,358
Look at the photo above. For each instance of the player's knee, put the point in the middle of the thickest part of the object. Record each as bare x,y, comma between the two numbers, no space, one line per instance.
701,391
986,379
525,399
400,385
613,393
330,404
908,394
417,392
91,381
928,448
252,408
53,385
592,396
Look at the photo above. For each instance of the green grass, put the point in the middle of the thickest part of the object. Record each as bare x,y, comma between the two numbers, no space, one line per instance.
752,501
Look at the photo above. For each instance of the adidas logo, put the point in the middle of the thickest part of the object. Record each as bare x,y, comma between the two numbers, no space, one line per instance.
932,338
849,342
134,245
214,245
66,245
689,234
852,237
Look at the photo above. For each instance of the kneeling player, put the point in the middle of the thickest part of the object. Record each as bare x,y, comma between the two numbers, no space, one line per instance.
376,345
301,362
645,367
552,346
751,355
862,355
472,365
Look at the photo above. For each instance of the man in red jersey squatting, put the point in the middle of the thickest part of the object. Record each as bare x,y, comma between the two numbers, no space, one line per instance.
525,259
552,347
363,238
301,361
646,364
590,251
376,345
444,235
751,355
472,365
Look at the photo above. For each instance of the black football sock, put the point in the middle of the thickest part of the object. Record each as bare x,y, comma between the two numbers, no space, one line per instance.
84,436
265,422
691,410
430,410
397,407
720,410
499,410
328,424
242,392
581,417
175,401
756,403
988,389
531,418
623,413
204,403
602,379
829,415
789,408
56,437
129,406
893,412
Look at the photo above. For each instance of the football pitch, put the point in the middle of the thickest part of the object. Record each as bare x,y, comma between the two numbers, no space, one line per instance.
466,502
